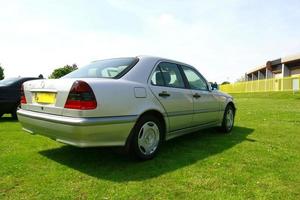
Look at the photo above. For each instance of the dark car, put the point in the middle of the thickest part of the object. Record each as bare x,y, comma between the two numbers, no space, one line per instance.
10,93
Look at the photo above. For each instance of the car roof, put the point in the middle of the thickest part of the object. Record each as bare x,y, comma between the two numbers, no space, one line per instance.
157,58
143,68
149,58
21,77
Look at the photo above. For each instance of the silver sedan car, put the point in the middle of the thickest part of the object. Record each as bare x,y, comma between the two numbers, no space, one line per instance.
135,102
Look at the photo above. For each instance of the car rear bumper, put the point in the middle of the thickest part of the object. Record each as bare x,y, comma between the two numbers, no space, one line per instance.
80,132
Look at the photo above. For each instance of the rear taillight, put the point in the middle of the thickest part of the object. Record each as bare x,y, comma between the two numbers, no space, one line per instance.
81,97
23,98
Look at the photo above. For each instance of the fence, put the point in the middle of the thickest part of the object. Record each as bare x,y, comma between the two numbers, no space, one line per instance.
265,85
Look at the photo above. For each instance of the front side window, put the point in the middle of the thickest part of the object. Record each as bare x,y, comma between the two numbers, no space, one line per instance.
196,81
110,68
167,74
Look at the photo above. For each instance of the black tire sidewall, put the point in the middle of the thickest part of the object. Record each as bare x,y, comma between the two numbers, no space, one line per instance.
135,150
224,127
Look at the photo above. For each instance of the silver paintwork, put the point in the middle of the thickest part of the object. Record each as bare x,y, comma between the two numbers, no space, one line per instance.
88,121
120,104
81,132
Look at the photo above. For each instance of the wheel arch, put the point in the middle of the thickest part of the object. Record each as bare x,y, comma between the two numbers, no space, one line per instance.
152,112
159,116
230,103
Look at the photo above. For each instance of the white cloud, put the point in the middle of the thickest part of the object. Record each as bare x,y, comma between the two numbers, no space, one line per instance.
166,20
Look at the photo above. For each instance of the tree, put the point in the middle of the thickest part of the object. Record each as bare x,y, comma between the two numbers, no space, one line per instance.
1,73
41,76
225,83
62,71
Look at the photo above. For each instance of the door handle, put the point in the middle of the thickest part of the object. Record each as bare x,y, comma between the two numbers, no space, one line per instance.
196,95
164,94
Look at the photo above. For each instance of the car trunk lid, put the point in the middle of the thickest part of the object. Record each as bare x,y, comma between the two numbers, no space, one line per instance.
47,96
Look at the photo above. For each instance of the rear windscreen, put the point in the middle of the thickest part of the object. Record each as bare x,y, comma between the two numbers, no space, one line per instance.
8,81
111,68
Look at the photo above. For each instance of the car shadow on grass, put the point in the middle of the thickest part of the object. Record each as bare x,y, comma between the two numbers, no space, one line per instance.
7,119
106,163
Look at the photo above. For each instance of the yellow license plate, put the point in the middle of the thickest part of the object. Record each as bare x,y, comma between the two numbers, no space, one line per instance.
44,97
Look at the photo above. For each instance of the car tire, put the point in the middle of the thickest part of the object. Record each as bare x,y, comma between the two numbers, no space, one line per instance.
228,119
146,139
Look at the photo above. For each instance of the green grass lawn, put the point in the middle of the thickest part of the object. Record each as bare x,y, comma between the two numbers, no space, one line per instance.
259,160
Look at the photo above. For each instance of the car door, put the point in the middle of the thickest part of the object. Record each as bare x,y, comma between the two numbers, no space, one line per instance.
206,105
168,86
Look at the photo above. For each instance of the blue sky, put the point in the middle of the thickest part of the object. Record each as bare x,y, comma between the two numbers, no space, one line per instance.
223,39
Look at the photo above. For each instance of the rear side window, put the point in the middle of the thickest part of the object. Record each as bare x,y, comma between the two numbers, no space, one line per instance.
196,81
157,78
167,74
110,68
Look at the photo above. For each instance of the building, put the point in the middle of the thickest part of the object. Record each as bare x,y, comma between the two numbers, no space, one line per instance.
282,74
279,68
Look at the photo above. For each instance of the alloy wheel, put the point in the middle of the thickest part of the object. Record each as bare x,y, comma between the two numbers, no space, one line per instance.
148,138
